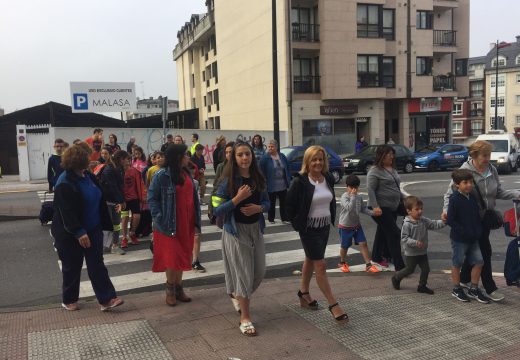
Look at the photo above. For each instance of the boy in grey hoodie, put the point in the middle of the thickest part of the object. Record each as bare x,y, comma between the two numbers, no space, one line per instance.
350,227
414,239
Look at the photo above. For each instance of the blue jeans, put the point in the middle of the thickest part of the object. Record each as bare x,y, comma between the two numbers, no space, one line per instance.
469,251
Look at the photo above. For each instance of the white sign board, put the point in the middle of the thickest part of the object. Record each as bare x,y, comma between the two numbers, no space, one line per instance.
102,97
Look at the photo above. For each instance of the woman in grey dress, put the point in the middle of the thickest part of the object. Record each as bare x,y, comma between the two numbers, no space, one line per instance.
242,199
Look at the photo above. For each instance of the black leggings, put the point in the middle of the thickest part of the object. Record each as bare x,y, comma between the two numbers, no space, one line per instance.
388,238
486,274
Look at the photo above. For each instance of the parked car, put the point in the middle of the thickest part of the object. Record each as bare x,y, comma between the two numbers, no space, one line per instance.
506,150
363,160
294,156
438,157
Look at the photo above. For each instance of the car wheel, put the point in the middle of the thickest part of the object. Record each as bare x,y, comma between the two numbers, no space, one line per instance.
408,167
337,176
433,166
367,168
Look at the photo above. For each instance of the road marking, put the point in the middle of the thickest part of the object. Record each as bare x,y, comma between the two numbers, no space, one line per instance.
405,184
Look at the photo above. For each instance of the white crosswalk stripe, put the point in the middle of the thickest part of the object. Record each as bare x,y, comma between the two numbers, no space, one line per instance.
135,280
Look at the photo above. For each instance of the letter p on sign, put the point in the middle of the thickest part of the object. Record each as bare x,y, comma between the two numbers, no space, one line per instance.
80,101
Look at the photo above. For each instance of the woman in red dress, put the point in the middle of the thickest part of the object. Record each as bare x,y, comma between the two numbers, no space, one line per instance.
175,209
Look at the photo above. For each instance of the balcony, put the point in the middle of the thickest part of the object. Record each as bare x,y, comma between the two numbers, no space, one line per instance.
446,4
476,112
444,83
305,32
306,84
444,38
196,32
476,93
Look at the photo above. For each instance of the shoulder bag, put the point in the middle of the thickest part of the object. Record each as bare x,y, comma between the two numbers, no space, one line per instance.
492,218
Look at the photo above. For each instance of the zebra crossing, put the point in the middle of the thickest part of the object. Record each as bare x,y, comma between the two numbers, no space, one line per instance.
132,271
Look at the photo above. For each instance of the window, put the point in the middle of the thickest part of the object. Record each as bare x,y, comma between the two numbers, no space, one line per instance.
476,128
203,75
368,21
517,60
461,67
192,80
214,71
501,81
300,15
476,89
376,71
457,127
518,78
457,109
501,61
205,101
193,103
424,65
388,24
375,22
500,101
424,20
215,98
517,99
517,119
217,122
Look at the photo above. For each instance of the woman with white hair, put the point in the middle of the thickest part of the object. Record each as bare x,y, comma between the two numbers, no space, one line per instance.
275,167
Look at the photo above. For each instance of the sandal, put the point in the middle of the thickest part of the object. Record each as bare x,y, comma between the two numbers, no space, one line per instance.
342,319
312,305
248,329
236,303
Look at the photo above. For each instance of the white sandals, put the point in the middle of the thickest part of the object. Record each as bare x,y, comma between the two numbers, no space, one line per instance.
248,329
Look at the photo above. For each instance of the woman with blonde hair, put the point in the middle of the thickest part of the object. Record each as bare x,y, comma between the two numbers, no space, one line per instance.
311,207
487,190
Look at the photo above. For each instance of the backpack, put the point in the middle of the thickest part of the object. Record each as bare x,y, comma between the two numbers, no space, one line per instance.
512,263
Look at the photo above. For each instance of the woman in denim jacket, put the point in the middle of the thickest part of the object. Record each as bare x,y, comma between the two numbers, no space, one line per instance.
175,209
242,199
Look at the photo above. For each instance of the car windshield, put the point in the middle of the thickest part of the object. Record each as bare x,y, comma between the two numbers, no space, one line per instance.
499,145
428,149
286,151
368,150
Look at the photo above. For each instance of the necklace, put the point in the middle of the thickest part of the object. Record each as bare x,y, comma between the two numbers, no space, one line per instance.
317,179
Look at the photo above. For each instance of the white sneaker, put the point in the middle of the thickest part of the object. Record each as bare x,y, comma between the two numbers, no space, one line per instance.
496,296
465,285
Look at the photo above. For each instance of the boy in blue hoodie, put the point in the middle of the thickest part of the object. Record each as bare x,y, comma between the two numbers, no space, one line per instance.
466,228
54,168
414,239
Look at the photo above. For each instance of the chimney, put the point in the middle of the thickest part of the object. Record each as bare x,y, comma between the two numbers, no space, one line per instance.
492,46
517,38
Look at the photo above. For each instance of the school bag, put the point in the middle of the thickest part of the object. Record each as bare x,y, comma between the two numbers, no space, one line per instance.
47,210
512,263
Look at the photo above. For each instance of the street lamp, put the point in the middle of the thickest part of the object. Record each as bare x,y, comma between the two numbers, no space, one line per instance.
495,123
276,115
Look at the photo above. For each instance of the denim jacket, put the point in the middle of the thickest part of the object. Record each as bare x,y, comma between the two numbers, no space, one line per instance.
162,202
223,206
267,167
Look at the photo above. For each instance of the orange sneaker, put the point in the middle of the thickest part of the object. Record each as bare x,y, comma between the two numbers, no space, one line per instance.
372,269
345,268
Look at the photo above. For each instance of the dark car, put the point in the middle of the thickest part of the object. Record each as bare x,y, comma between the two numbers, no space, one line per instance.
363,160
294,156
438,157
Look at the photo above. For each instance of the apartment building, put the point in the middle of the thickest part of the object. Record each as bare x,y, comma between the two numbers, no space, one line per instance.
150,107
507,87
385,69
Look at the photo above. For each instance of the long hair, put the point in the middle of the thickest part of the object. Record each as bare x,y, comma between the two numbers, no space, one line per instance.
174,155
311,152
381,152
118,156
260,145
140,149
231,171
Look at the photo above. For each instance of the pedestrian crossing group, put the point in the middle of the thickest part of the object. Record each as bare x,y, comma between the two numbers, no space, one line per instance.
133,270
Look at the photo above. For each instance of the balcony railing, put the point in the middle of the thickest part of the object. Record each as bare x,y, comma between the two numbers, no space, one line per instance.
476,93
444,38
305,32
476,132
476,112
444,83
306,84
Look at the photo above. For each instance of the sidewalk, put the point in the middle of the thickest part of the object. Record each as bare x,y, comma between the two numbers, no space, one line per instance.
12,183
384,324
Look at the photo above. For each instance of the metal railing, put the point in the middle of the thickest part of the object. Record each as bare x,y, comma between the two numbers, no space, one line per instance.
476,93
477,112
306,84
444,83
444,38
305,32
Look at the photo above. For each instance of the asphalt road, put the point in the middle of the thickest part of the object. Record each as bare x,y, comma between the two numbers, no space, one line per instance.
30,276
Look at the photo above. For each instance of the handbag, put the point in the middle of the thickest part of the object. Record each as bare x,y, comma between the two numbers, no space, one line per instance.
492,219
401,210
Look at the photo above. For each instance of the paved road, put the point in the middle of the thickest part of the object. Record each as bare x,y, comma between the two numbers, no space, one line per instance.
30,273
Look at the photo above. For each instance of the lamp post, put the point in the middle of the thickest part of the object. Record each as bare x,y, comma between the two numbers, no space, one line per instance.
276,116
495,124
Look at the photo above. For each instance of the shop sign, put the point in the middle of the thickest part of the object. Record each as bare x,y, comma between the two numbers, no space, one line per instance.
338,109
430,104
438,136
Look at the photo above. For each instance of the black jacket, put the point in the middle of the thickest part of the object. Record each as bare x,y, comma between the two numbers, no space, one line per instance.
68,208
299,198
111,182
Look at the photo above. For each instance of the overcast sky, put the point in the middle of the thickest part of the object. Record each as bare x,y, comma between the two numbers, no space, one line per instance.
46,44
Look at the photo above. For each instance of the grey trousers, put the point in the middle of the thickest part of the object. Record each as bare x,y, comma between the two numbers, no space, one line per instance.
411,263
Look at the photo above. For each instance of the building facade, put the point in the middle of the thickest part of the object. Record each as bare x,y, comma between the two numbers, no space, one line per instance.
150,107
504,93
384,69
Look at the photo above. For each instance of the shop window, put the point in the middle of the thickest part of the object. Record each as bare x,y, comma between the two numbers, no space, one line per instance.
423,65
424,20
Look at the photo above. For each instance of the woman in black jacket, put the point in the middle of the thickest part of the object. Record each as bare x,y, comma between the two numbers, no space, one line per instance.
311,206
111,181
80,216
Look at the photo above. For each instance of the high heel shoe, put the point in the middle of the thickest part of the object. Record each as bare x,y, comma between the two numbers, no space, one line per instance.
342,319
313,305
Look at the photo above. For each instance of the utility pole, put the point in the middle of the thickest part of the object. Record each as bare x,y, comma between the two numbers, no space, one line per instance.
164,108
495,123
276,115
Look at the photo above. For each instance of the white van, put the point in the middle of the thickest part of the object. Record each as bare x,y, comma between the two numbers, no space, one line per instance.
505,154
